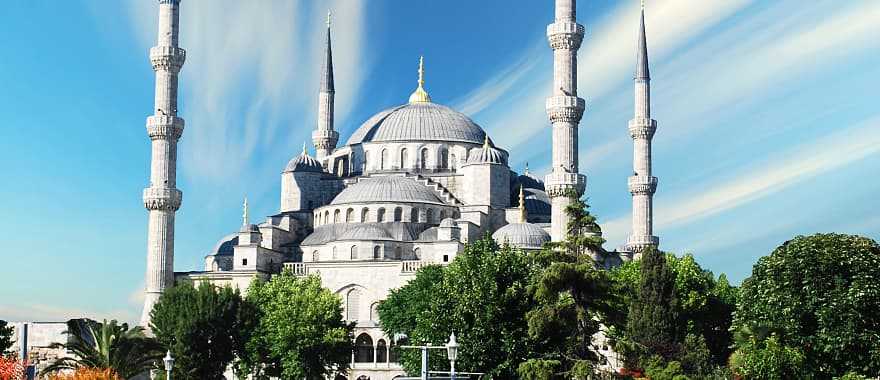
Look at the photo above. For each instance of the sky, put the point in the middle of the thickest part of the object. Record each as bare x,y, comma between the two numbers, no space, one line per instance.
768,125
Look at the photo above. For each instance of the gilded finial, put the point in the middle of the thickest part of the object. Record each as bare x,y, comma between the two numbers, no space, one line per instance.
527,168
486,141
305,152
523,217
420,95
328,18
244,214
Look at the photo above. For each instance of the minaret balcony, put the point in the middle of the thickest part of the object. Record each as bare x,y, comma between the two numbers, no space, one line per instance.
641,184
560,183
565,35
325,134
162,198
167,58
642,128
564,108
638,244
163,127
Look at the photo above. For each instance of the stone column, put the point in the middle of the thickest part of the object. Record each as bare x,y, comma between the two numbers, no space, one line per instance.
162,198
564,184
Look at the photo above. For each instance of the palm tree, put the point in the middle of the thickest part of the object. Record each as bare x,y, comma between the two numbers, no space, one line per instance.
127,351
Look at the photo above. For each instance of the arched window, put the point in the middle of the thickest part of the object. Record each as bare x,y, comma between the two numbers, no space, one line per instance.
444,157
315,255
336,216
374,312
394,352
442,214
365,214
377,252
453,163
414,215
398,253
381,352
380,216
354,252
423,159
349,215
398,214
429,216
363,349
352,305
417,253
326,217
385,165
404,158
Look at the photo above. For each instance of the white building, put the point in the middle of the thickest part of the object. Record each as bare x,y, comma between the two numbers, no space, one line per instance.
411,186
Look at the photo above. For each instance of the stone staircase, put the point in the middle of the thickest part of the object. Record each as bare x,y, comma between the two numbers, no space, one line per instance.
441,191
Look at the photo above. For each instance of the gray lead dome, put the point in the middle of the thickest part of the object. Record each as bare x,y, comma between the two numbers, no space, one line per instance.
393,189
522,235
304,163
418,122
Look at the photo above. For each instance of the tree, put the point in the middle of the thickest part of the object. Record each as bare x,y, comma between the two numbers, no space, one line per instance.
108,345
575,298
6,332
201,326
818,294
705,303
769,359
653,314
482,296
300,333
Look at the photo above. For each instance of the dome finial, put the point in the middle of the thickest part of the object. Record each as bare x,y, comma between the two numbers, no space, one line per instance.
305,152
523,216
328,17
526,172
420,95
486,141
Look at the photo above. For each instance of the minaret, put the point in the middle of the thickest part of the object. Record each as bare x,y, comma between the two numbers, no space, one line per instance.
564,184
162,199
642,184
325,137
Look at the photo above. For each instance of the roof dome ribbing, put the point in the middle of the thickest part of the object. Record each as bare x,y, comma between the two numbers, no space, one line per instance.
304,163
487,154
522,235
394,189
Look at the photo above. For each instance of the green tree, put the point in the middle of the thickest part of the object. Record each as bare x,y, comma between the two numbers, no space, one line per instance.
109,345
705,303
653,314
769,359
481,296
820,294
6,332
201,327
300,334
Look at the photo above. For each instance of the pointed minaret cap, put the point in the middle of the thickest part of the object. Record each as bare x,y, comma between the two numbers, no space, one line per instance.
642,54
327,70
523,214
420,95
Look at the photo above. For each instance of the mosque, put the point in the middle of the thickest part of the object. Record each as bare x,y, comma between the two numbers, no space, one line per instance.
410,187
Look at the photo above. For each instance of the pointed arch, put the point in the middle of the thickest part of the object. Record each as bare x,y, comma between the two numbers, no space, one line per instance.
352,304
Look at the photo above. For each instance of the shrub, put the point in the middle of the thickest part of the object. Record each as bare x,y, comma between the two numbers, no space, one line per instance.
87,374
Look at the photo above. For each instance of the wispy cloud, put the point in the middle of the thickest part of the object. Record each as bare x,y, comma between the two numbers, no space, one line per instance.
776,173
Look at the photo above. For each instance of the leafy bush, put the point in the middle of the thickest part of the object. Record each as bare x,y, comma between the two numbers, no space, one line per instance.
770,360
87,374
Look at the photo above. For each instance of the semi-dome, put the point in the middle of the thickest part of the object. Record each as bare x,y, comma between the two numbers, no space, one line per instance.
487,154
522,235
365,232
304,163
394,189
418,121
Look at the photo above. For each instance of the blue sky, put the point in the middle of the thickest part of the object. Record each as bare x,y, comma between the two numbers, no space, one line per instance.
767,112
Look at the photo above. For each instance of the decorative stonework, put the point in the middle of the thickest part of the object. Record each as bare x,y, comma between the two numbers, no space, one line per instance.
165,127
568,109
562,184
642,128
642,184
172,2
565,35
167,58
162,199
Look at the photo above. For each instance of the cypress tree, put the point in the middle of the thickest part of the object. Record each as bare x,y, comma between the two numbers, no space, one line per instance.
651,322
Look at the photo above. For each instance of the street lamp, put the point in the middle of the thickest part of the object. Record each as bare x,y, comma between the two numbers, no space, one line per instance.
452,354
169,364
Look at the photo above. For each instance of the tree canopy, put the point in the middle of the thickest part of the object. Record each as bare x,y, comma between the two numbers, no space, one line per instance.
653,313
819,294
300,333
202,327
5,336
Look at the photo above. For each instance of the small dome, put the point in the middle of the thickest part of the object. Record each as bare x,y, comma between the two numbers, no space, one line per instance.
419,121
394,189
522,235
530,181
365,232
448,223
487,155
304,163
225,246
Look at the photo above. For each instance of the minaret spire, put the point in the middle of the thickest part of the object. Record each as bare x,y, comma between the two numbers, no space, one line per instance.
642,184
162,198
325,137
564,184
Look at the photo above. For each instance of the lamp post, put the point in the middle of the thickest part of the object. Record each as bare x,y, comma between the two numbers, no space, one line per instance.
169,364
452,353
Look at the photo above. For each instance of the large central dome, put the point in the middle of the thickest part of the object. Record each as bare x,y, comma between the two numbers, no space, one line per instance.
418,121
